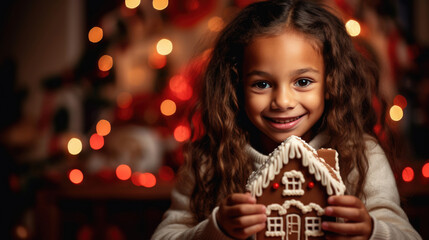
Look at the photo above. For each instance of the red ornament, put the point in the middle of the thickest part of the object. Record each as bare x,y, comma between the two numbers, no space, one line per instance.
311,185
276,185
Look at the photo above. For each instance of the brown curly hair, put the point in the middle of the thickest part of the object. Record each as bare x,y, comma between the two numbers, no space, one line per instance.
217,159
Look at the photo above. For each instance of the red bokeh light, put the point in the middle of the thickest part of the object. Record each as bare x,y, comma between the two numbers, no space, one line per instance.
96,141
408,174
123,172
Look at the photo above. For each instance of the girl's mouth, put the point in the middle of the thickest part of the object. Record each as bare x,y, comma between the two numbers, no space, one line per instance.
284,123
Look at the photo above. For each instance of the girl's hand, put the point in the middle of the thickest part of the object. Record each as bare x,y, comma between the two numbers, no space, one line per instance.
239,216
358,224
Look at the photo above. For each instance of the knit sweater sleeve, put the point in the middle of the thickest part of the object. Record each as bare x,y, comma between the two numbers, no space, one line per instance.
178,222
382,199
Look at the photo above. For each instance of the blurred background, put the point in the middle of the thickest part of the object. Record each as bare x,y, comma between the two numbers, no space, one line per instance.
95,96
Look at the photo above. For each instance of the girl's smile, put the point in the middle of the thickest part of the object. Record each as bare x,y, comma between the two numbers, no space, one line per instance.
284,86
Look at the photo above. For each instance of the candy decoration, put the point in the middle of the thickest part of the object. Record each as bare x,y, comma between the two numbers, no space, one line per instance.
276,186
311,185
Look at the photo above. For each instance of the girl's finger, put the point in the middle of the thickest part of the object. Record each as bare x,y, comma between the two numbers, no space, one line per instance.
245,209
346,201
238,198
348,213
248,231
249,220
349,229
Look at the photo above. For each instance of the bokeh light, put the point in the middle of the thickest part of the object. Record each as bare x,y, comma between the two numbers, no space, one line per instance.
74,146
103,127
408,174
95,34
131,4
400,101
181,88
123,172
353,27
160,4
215,24
164,46
182,133
96,141
396,113
135,178
157,61
21,232
425,170
105,63
76,176
166,173
168,107
147,180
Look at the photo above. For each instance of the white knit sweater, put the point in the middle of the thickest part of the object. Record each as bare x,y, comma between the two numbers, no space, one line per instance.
382,202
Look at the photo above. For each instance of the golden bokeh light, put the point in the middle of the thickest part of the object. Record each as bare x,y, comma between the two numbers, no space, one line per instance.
131,4
103,127
215,24
95,34
160,4
74,146
164,46
147,180
396,113
168,107
353,27
105,63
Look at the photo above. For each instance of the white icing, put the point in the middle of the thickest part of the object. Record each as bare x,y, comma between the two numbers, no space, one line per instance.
291,148
288,203
293,183
313,227
276,207
275,227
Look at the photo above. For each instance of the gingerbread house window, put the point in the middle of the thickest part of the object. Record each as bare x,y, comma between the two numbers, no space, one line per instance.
293,181
275,227
313,226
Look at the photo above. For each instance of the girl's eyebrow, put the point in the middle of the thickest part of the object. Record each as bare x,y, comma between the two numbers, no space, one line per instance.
296,72
304,70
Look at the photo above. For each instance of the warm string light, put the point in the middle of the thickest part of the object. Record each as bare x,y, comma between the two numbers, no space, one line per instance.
105,63
96,141
353,27
103,127
131,4
76,176
168,107
396,113
164,46
123,172
408,174
182,133
95,34
74,146
181,88
160,4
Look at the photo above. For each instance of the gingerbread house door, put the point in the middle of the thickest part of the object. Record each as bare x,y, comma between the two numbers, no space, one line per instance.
293,226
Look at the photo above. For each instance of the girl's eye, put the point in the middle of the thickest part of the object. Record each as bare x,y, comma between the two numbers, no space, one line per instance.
303,82
261,85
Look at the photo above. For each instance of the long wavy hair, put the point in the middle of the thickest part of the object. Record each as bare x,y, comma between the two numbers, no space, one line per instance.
217,158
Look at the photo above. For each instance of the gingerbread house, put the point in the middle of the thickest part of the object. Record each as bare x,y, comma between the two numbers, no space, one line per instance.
294,184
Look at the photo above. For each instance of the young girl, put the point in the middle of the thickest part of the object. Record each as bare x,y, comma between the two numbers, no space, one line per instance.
283,68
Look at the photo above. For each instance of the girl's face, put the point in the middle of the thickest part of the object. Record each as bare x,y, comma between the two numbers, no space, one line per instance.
284,86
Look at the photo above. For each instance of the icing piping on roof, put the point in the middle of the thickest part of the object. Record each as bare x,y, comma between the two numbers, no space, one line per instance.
297,149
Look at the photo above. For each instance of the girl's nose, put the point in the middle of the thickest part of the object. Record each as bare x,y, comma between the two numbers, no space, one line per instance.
283,100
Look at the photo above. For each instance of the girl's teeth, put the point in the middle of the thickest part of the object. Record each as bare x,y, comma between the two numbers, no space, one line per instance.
286,121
